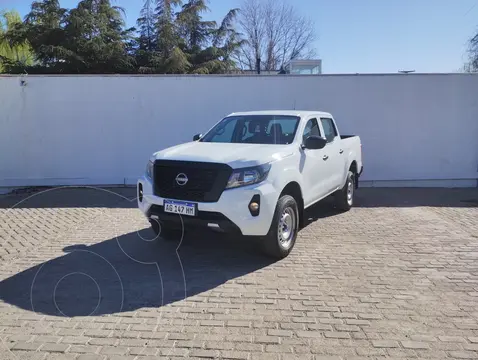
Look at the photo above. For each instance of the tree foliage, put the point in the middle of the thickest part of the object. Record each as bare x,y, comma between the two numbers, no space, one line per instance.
90,38
174,38
171,37
12,55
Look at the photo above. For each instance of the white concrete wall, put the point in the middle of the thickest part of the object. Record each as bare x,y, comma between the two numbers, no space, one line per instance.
64,130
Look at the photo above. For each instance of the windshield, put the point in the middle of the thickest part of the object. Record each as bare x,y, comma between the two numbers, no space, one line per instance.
254,129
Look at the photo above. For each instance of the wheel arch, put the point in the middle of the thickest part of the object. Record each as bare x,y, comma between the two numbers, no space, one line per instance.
293,189
354,168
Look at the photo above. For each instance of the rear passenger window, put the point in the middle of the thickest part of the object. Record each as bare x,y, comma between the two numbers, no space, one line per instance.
330,132
311,128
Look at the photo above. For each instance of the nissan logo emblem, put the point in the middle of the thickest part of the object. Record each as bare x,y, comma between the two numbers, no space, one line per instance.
182,179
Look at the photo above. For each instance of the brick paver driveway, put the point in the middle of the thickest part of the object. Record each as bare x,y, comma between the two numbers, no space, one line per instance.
396,277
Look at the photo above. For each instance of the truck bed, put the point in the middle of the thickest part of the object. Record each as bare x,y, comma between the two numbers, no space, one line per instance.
352,144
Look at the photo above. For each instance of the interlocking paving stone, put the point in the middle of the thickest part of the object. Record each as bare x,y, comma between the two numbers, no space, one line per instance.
82,277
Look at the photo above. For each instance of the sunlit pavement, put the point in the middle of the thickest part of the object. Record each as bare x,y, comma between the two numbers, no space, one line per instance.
82,277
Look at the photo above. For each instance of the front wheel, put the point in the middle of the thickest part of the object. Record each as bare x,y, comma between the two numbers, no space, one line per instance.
344,198
280,240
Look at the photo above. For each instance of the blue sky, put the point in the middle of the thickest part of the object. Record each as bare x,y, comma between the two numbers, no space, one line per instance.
366,36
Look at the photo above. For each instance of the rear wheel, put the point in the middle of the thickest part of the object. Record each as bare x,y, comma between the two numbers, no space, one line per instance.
344,198
280,240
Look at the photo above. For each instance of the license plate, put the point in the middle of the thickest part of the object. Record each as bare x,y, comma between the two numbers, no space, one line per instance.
180,207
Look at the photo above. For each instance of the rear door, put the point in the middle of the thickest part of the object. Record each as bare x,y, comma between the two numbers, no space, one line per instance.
335,154
314,169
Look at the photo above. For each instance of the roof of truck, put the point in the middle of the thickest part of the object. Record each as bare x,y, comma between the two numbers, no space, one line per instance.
283,113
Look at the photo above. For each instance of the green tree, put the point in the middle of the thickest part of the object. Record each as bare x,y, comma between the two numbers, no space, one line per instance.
12,56
90,38
228,40
158,42
194,31
147,27
195,35
97,40
207,46
43,28
147,41
171,58
182,42
173,38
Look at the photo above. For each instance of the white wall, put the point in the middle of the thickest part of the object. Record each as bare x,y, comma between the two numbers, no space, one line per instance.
61,130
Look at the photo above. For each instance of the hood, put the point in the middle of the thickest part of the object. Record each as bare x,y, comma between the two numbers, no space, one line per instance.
234,155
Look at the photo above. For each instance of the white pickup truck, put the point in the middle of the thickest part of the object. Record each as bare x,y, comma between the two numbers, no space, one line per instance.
254,174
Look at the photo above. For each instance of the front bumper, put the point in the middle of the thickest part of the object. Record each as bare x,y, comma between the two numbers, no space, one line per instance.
204,219
229,214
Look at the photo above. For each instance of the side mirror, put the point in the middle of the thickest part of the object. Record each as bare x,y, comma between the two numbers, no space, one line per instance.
197,137
314,142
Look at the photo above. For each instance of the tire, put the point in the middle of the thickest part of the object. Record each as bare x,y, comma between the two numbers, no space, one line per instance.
344,198
280,240
165,233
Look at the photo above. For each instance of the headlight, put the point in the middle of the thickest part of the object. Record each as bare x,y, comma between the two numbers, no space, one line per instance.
149,170
248,176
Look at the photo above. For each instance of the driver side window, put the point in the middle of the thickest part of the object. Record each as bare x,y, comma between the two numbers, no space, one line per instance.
311,128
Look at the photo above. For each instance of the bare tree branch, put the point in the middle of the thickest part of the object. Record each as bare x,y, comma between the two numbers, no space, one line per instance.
275,33
473,65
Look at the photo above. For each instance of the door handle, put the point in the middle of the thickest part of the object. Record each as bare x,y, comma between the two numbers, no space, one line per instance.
325,157
341,151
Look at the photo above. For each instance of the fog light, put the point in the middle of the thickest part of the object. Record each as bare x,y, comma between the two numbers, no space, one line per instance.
255,205
140,192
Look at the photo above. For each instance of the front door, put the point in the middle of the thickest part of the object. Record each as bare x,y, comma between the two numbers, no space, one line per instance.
314,167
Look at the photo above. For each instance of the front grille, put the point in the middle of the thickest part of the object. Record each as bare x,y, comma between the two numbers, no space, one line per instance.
206,181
